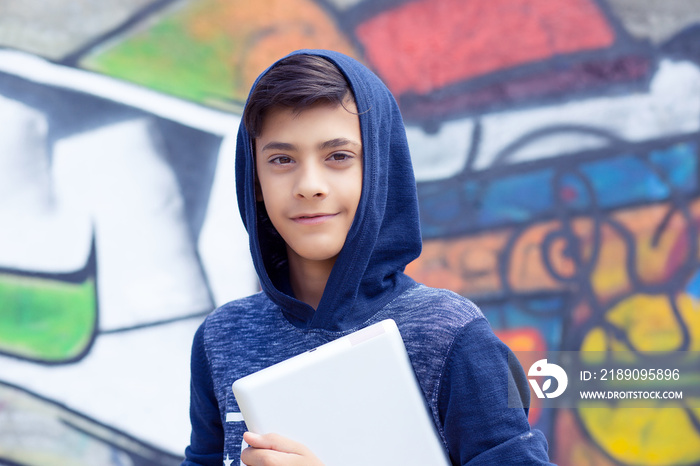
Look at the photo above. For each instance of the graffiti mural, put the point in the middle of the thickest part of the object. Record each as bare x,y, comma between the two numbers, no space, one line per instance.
557,174
115,217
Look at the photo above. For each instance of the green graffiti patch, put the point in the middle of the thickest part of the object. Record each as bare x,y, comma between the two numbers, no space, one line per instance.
168,58
47,320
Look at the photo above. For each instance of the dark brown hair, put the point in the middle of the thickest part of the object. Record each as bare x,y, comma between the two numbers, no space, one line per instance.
296,82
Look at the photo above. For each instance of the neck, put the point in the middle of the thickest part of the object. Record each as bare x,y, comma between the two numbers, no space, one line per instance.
308,277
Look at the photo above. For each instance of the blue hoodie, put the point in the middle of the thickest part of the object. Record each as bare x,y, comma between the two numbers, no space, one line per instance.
463,369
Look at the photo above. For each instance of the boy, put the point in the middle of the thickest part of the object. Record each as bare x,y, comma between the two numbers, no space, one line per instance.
326,190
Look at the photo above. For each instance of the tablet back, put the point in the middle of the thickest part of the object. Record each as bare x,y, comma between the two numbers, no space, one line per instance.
353,401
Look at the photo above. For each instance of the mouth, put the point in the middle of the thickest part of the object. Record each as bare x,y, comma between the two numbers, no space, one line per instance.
313,219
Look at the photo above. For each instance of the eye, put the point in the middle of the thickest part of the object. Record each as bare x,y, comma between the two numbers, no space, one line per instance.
339,156
281,160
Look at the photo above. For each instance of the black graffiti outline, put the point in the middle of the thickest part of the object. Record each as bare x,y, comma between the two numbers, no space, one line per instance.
159,457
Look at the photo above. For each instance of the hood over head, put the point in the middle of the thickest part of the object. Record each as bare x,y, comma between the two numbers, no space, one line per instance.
385,235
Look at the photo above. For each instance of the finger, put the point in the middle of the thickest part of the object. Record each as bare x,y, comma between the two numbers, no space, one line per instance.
264,457
274,442
256,457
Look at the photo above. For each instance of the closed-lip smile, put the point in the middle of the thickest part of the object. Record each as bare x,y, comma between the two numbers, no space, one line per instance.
312,219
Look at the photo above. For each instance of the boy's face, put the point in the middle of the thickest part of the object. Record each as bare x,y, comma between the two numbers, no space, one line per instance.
309,166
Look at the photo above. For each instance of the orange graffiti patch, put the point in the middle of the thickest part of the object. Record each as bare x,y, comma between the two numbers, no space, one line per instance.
465,265
264,31
530,346
662,244
549,256
522,339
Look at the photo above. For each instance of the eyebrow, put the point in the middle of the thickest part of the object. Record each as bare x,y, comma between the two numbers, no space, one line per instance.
330,144
338,142
279,146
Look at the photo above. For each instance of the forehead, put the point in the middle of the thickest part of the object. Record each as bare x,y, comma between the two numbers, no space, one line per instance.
319,120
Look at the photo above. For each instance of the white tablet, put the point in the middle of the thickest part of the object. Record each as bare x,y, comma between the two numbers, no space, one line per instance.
353,401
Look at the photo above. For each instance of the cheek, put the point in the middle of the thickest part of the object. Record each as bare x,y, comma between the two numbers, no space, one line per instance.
268,196
269,187
271,201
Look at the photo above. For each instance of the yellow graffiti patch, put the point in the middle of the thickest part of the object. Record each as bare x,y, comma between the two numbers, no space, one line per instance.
663,433
650,324
653,435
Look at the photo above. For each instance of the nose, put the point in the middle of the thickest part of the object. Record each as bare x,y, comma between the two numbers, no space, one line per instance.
311,183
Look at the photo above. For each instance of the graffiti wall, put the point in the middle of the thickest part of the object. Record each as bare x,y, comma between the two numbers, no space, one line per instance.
556,148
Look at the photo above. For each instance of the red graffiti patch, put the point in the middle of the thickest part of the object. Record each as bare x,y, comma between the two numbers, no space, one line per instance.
424,45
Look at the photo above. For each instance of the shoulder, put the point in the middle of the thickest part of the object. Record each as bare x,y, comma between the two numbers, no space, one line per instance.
447,323
241,316
440,312
237,311
232,333
431,321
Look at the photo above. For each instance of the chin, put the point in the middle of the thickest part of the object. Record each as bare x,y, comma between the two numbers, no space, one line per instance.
319,257
318,254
